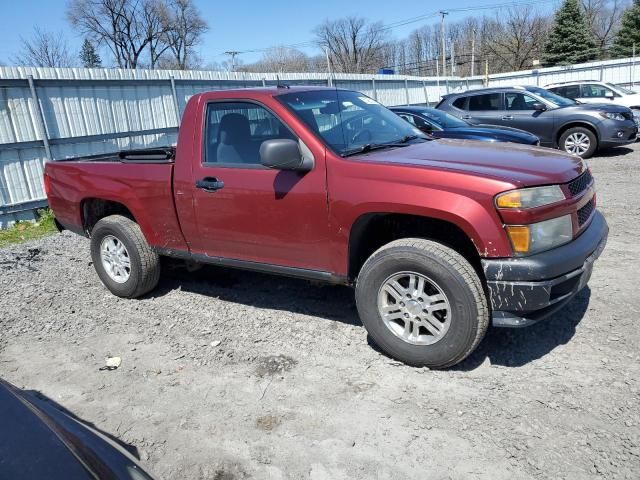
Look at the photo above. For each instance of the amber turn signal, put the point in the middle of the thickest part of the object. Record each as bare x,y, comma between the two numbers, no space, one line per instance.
509,200
520,238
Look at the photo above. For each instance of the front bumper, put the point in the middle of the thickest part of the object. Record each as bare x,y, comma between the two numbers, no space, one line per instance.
618,133
526,290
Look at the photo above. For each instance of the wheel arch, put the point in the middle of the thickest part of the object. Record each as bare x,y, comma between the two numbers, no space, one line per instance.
94,209
371,231
577,123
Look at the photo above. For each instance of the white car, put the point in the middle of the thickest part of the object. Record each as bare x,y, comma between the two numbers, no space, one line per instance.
592,91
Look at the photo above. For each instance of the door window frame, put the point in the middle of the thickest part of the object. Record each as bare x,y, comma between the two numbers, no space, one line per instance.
205,126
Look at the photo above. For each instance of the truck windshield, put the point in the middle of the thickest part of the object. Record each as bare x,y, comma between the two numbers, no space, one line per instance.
350,122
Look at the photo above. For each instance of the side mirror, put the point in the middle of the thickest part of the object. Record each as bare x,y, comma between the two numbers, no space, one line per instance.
539,107
284,154
609,94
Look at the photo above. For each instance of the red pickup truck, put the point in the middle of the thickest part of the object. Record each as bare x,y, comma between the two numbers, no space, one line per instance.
438,237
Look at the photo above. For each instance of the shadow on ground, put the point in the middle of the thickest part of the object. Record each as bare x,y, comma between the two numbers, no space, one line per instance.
503,346
333,302
514,347
613,152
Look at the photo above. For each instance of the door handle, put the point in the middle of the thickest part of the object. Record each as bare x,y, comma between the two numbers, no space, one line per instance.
466,117
209,184
507,117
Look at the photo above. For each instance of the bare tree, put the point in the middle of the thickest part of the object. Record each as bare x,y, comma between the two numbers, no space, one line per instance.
183,31
125,27
281,59
604,18
514,38
44,49
353,44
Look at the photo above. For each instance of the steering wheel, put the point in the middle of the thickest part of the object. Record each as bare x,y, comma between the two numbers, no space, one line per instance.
362,135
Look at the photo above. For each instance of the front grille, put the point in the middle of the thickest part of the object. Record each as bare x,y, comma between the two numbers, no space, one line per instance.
580,184
585,212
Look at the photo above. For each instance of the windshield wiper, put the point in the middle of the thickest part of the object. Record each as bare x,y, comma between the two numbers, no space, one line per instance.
370,147
408,138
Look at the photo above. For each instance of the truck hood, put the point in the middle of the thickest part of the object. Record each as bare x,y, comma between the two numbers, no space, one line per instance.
521,165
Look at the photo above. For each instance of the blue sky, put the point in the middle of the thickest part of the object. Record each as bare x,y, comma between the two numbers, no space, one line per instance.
249,24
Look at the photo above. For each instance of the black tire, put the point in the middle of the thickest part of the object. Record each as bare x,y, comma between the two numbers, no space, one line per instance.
456,278
145,263
593,140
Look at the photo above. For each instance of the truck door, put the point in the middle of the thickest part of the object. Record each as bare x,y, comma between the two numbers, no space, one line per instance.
248,212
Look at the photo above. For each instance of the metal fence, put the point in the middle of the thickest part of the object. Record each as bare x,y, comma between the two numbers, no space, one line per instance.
48,114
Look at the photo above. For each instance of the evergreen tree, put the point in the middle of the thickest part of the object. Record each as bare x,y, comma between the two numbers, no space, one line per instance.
89,56
629,33
570,40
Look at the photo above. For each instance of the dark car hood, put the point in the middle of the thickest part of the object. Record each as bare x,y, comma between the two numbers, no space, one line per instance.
39,439
521,165
494,131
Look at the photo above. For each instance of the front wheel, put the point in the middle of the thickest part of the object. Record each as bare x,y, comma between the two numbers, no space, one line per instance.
422,303
123,259
579,141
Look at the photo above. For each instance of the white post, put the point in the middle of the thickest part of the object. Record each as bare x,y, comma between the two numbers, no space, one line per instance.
444,45
329,80
473,52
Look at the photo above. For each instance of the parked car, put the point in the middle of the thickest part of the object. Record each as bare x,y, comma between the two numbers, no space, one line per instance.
592,91
440,124
580,129
39,439
438,237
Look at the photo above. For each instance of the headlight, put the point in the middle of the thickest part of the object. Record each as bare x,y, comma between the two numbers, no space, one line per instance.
530,197
613,116
537,237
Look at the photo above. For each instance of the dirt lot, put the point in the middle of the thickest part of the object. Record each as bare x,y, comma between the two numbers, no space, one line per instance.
231,375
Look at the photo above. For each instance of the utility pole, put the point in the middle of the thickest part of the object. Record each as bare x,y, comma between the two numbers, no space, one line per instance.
453,58
232,54
329,79
444,43
473,52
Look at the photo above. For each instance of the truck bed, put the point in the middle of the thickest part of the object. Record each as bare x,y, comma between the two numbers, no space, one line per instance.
138,183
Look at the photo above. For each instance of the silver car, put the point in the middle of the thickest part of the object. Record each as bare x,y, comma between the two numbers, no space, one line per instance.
559,122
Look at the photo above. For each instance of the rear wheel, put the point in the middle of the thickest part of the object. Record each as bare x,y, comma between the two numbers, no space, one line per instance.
579,141
422,303
123,259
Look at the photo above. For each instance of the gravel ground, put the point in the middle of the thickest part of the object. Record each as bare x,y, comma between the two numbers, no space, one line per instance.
232,375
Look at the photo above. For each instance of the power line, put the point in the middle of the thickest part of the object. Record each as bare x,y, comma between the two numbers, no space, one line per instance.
408,21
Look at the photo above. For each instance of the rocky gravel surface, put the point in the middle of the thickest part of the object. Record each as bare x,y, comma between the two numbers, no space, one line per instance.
233,375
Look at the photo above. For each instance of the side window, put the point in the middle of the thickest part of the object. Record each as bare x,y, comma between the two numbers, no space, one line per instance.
519,101
422,124
489,101
593,90
408,118
572,91
460,103
235,130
